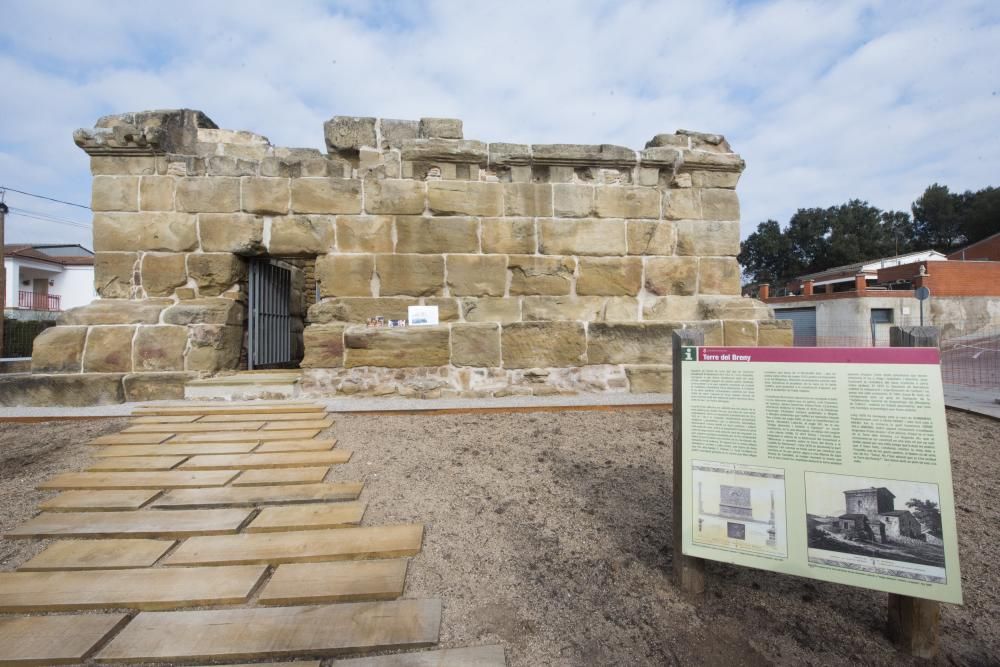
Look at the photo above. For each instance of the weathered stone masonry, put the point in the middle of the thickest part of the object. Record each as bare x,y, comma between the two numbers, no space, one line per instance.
555,267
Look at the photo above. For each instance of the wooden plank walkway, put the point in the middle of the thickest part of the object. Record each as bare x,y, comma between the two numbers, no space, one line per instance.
475,656
216,504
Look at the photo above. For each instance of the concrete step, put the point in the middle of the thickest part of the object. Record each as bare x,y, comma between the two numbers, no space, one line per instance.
249,385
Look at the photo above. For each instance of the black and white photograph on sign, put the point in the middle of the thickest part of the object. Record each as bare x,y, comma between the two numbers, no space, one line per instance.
884,526
739,507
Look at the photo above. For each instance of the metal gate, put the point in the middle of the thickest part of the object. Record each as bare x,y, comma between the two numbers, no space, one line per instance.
269,341
803,324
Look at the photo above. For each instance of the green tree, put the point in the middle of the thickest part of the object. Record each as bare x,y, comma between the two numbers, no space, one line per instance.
766,255
981,214
928,514
937,219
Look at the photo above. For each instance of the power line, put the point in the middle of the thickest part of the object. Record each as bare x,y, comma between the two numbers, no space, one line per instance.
29,194
25,214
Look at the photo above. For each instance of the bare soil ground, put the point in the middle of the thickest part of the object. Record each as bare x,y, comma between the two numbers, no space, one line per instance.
549,532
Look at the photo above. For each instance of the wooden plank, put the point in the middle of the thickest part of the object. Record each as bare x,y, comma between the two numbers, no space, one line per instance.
146,588
473,656
310,475
307,546
277,417
344,581
162,479
289,425
293,663
270,632
272,460
174,419
118,464
131,439
98,501
234,410
238,436
98,554
238,496
179,449
167,525
53,640
315,445
307,517
195,427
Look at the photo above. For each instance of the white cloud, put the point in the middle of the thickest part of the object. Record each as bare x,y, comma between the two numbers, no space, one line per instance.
825,101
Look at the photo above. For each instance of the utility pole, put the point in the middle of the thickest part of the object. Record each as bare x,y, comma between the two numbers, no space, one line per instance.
3,273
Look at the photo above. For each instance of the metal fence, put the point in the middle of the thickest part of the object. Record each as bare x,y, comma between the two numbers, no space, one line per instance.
970,351
19,336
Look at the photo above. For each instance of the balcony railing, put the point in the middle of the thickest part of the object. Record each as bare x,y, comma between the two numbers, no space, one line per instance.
37,301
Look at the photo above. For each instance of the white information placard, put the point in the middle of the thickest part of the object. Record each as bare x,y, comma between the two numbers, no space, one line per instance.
422,315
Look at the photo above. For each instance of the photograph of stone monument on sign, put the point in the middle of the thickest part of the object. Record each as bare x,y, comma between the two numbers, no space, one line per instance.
740,507
884,526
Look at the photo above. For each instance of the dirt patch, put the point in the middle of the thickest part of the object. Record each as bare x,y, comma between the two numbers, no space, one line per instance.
550,533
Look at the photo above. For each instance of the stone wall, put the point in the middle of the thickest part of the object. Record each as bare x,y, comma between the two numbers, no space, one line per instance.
555,267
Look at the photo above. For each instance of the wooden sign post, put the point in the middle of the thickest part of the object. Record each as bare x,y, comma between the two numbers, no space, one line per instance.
689,573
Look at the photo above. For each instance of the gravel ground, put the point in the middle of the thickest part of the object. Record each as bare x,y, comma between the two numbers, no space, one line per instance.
549,532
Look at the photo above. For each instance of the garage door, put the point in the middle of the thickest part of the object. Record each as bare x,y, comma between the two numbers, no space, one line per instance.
803,324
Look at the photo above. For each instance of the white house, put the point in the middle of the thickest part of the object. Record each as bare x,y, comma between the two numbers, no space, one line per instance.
44,279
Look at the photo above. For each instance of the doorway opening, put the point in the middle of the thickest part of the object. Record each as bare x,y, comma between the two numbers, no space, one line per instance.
274,313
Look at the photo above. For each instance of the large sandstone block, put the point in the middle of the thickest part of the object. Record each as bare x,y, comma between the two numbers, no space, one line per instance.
581,237
58,350
345,275
324,346
396,348
487,309
403,197
71,390
440,128
108,350
395,131
774,333
213,310
231,232
477,275
410,275
364,233
731,307
227,165
740,333
214,194
656,379
621,309
627,202
139,165
550,276
448,307
214,347
672,275
719,204
155,386
159,348
302,235
161,273
266,196
527,199
712,330
349,133
114,274
153,232
671,308
702,237
630,342
649,237
326,195
115,193
609,276
358,310
719,275
464,198
515,236
436,235
216,273
475,345
573,201
715,179
543,344
680,204
563,308
116,311
156,193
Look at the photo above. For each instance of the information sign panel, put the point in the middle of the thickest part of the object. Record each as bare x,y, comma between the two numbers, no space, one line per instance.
828,463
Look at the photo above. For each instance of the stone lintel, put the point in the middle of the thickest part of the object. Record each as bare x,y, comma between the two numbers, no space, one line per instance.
144,133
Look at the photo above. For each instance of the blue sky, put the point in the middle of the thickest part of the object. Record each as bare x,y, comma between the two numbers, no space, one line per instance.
825,101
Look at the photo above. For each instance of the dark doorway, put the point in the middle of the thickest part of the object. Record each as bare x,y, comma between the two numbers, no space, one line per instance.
269,318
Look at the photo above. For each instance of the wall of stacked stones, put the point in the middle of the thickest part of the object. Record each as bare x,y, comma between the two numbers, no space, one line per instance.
554,267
